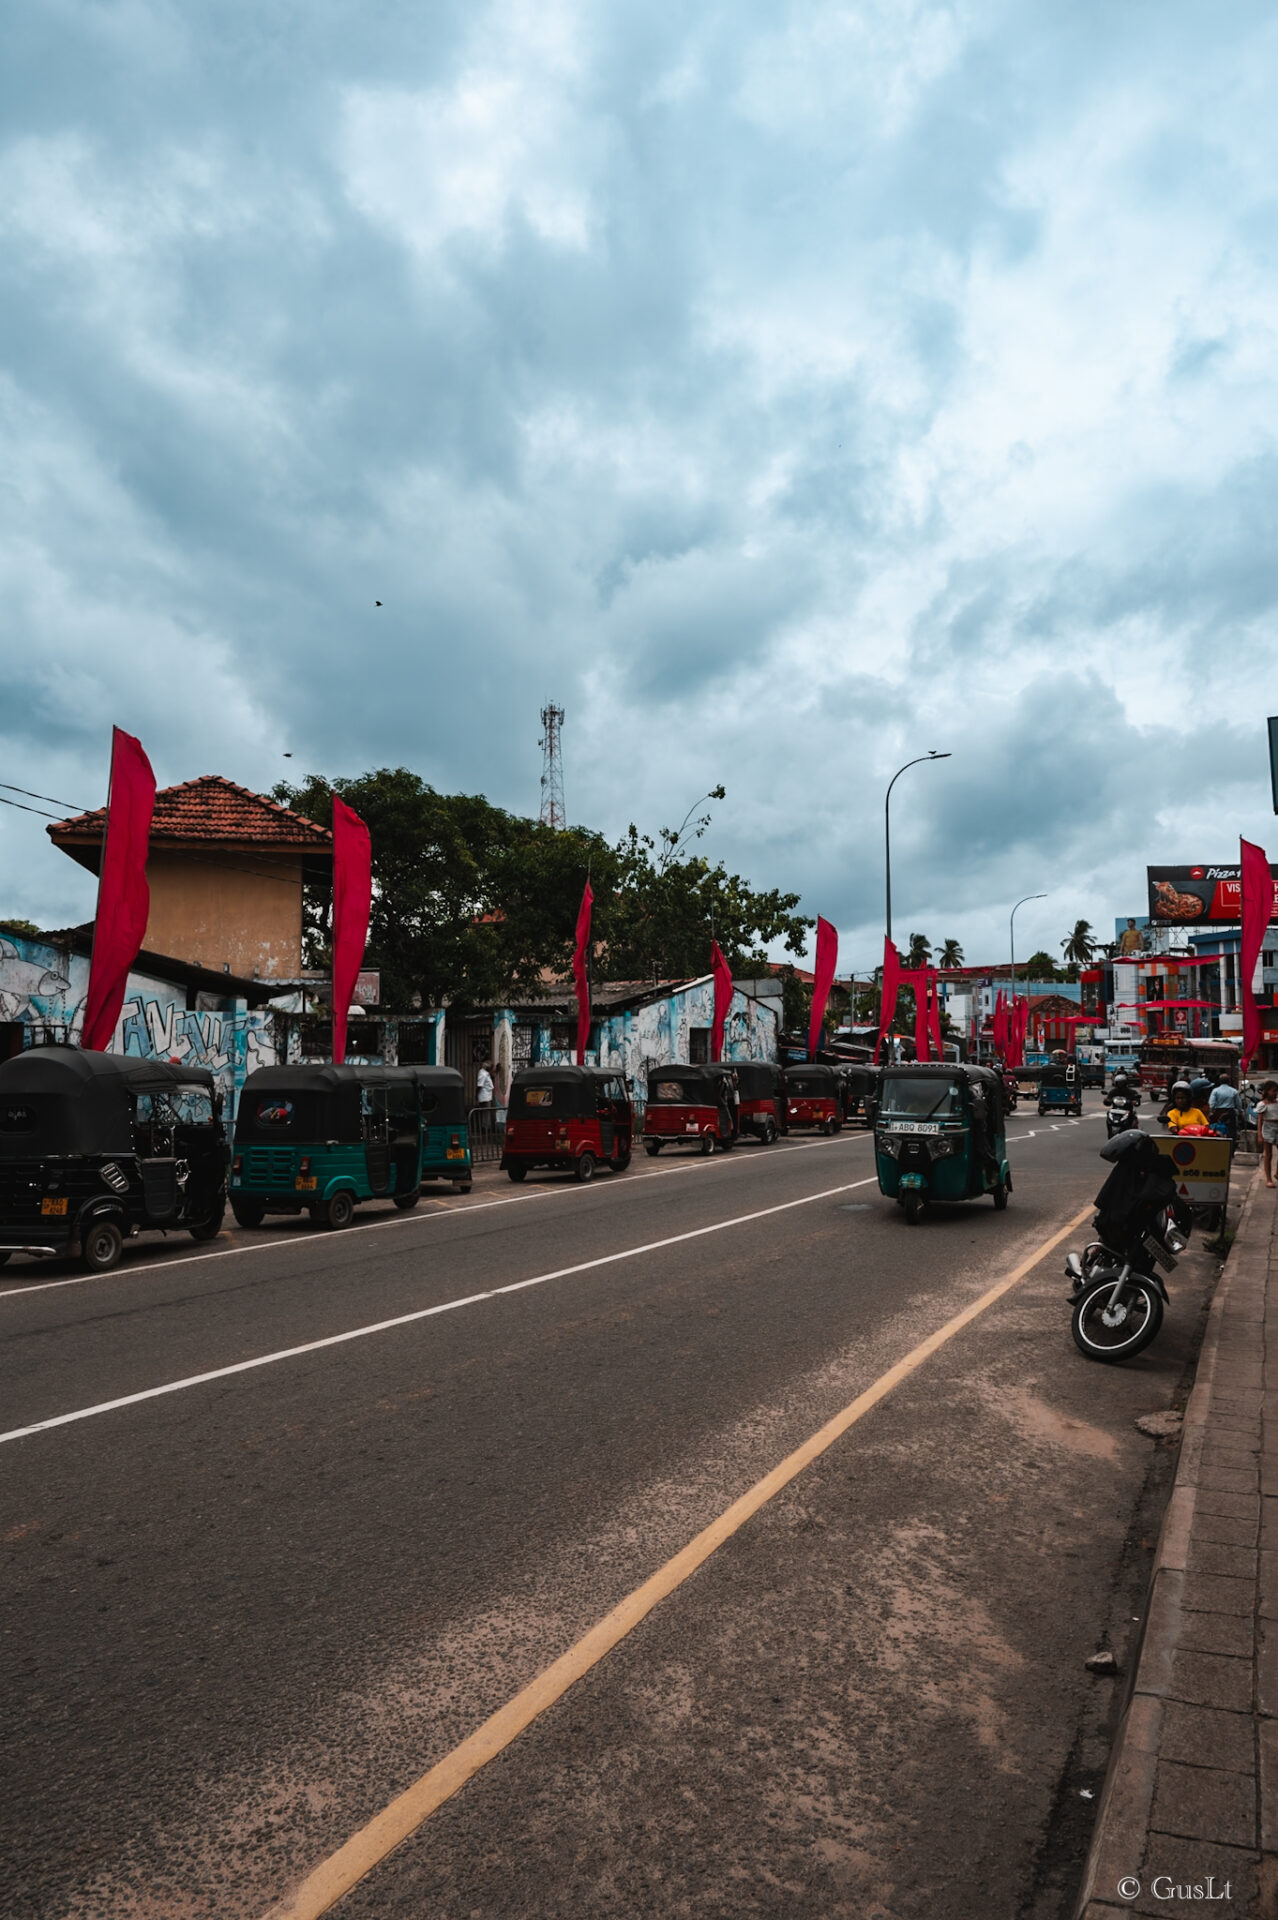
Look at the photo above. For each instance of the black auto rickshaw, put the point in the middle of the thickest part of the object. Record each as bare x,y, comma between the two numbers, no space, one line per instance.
693,1106
1060,1088
760,1099
859,1086
324,1138
940,1136
574,1118
813,1097
97,1147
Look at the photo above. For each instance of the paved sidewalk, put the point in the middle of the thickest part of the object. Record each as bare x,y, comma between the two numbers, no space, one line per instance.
1188,1821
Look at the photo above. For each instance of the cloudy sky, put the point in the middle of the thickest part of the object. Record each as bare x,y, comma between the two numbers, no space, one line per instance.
784,389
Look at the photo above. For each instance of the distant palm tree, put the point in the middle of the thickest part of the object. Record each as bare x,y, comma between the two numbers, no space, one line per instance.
951,955
920,953
1079,946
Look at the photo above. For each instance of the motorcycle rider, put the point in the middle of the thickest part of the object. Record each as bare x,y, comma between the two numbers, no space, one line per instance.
1225,1107
1181,1111
1122,1101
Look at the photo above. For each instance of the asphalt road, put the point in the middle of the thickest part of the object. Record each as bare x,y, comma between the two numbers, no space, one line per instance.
378,1495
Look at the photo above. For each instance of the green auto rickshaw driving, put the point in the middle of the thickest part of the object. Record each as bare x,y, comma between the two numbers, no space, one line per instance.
939,1136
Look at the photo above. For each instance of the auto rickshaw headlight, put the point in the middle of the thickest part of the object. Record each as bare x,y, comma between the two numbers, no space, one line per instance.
890,1145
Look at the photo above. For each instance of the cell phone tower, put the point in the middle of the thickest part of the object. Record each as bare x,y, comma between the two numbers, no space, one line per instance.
553,811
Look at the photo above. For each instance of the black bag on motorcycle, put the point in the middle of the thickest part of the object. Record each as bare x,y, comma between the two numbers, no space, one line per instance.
1137,1191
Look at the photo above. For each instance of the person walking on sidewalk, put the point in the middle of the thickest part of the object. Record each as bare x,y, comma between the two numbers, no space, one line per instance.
1267,1126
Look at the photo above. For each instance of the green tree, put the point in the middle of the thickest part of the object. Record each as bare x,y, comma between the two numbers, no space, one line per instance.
1039,966
472,904
1079,946
919,953
951,955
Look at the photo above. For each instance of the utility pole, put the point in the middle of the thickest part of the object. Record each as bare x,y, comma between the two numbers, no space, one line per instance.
553,812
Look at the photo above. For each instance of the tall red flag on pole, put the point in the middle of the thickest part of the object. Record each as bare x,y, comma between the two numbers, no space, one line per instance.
1257,906
722,999
581,972
934,1013
888,996
124,898
827,958
352,901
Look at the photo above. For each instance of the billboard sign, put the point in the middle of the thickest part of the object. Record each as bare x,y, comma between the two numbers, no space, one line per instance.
1188,896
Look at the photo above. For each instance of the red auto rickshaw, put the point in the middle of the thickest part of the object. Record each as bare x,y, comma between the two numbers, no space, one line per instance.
761,1111
691,1106
813,1097
572,1118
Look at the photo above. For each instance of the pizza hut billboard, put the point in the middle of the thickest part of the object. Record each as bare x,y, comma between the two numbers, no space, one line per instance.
1187,896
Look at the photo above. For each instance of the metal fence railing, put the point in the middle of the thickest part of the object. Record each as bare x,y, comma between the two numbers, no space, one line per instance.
485,1134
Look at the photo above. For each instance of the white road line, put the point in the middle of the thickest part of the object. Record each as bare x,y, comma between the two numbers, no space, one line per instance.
307,1239
422,1313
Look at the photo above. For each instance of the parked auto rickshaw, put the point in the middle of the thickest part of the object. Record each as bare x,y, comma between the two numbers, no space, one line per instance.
1011,1088
813,1097
859,1086
98,1147
761,1108
325,1138
1060,1088
441,1104
574,1118
691,1106
939,1135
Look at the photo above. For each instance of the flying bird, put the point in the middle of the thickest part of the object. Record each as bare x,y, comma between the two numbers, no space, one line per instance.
377,603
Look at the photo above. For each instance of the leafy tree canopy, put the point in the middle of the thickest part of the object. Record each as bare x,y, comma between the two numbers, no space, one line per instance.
1039,966
472,903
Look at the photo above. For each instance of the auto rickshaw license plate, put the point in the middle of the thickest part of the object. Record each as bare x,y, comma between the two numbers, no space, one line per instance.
916,1126
58,1207
455,1153
306,1183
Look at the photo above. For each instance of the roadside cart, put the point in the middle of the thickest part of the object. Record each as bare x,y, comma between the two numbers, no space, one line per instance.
691,1106
572,1118
323,1138
97,1147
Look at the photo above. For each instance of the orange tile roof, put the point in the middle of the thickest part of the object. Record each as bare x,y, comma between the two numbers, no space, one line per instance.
209,809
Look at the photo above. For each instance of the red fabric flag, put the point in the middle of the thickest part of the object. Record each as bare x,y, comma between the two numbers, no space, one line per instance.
888,997
1257,906
581,972
124,898
998,1025
1019,1030
827,957
916,977
934,1014
723,991
352,899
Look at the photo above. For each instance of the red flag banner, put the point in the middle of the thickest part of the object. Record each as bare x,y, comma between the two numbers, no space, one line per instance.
352,901
722,999
1020,1028
998,1025
1257,904
934,1013
581,972
124,898
891,988
827,958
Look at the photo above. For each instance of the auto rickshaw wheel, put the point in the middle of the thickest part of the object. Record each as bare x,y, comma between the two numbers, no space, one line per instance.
249,1213
726,1144
1041,1110
209,1229
338,1212
652,1148
707,1144
1000,1197
462,1186
769,1133
585,1167
4,1256
517,1174
621,1162
102,1246
913,1204
407,1201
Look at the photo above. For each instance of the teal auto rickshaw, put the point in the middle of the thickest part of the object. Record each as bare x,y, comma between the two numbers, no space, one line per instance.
441,1105
939,1136
1060,1088
323,1139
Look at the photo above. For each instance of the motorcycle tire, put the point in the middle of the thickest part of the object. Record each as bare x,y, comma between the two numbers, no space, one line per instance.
1140,1316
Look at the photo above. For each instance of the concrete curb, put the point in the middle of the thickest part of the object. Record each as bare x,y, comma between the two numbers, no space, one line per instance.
1179,1800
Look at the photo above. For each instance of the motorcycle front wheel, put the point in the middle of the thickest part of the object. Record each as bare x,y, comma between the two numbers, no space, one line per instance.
1108,1332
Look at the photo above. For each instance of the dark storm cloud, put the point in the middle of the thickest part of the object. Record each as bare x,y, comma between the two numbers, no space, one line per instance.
782,389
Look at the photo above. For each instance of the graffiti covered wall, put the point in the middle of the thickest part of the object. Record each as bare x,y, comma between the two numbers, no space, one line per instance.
42,992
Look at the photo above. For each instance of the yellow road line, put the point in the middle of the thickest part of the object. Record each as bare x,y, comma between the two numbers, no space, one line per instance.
367,1848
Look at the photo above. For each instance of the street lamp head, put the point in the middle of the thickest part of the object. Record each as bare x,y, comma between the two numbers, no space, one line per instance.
932,754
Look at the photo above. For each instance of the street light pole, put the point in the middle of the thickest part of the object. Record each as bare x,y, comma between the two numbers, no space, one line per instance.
1011,934
931,754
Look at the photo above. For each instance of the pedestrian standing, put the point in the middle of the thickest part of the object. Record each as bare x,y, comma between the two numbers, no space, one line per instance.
484,1084
1267,1126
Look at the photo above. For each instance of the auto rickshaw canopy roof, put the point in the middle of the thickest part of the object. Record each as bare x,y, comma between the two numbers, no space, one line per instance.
441,1092
702,1084
813,1077
60,1100
574,1091
759,1079
296,1105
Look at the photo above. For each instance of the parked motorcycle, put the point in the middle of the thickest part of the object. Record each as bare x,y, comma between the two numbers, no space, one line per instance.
1117,1292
